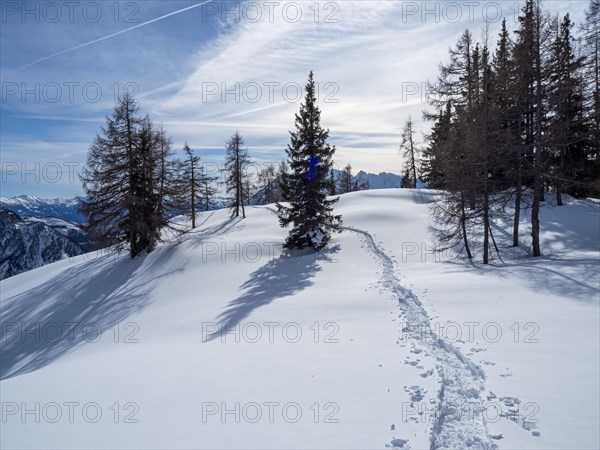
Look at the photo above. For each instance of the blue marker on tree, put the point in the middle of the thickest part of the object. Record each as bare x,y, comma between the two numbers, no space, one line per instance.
311,171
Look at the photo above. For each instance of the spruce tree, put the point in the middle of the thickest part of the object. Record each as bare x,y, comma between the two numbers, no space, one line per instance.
567,128
509,146
332,184
310,159
591,50
432,171
406,182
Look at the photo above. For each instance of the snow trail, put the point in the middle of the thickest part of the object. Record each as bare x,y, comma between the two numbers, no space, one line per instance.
459,421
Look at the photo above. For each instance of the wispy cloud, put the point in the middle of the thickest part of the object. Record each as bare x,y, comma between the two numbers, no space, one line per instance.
376,55
103,38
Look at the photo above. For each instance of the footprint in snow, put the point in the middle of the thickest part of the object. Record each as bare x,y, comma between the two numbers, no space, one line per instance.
399,443
416,393
427,374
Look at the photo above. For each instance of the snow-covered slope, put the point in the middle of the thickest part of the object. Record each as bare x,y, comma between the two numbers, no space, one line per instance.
219,341
29,243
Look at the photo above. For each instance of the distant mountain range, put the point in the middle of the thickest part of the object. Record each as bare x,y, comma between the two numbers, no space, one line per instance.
29,243
31,206
383,180
36,231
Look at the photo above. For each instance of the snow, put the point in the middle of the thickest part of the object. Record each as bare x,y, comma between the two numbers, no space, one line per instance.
45,209
379,361
379,181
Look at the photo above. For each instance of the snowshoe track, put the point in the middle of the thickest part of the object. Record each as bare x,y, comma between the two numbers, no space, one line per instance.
459,422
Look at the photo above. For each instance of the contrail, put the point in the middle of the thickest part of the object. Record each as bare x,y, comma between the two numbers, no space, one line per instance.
114,34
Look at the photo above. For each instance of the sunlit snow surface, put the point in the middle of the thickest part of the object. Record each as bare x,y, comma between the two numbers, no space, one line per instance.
219,341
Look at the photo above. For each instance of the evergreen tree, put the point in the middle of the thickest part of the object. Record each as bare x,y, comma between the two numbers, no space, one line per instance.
236,182
487,136
310,158
509,147
450,211
432,171
406,182
530,92
591,51
332,185
567,128
455,153
519,122
281,172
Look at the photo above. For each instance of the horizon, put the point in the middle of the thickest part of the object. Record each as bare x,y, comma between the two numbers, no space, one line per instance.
219,184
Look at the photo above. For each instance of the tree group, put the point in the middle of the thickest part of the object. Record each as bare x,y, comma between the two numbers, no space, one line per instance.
513,124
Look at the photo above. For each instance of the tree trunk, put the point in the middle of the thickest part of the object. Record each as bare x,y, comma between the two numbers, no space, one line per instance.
193,194
463,224
559,201
486,227
539,144
412,156
518,198
132,204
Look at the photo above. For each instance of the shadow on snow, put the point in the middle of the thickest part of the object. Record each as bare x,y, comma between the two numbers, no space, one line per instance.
43,323
281,277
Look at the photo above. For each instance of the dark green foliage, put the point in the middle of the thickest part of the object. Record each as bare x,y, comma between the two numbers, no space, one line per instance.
310,159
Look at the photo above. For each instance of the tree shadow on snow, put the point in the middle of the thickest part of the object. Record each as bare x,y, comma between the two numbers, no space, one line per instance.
577,279
75,307
281,277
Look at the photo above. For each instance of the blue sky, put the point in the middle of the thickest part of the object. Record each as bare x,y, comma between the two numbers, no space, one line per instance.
206,69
